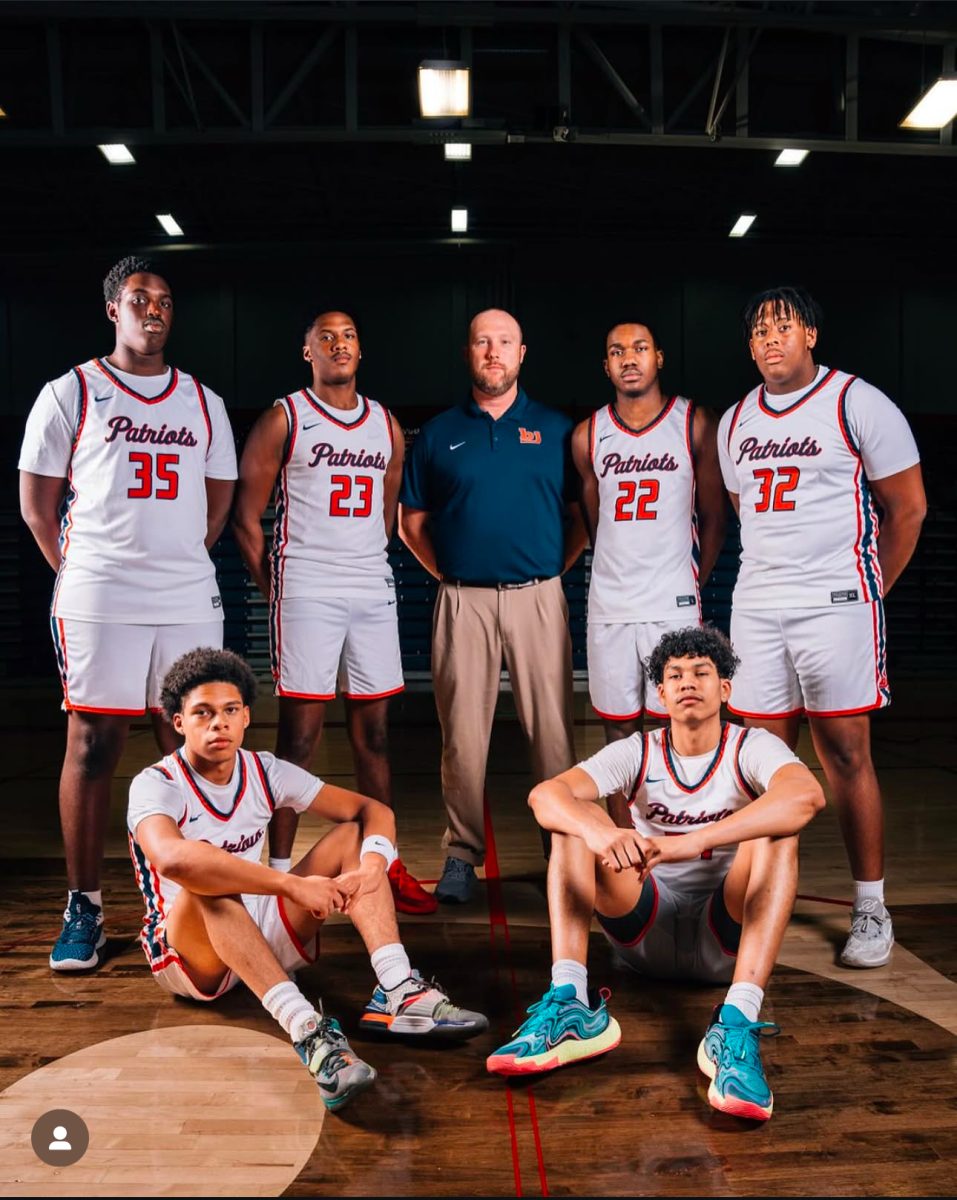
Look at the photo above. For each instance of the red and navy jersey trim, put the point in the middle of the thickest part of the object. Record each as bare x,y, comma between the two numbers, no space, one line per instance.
205,409
739,774
201,795
783,412
709,770
314,402
645,428
264,780
592,422
117,382
642,770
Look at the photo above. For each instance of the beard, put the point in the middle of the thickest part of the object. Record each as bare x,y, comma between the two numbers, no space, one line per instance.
487,384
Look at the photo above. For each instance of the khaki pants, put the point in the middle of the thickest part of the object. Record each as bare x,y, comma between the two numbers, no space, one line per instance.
472,630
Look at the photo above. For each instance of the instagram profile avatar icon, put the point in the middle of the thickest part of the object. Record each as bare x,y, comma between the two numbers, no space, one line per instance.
60,1137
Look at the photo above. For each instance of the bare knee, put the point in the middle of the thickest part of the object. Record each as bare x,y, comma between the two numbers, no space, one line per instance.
94,749
369,732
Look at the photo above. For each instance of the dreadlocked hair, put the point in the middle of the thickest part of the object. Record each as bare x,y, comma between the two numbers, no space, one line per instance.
791,302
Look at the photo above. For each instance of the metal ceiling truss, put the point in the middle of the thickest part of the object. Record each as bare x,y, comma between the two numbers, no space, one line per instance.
250,111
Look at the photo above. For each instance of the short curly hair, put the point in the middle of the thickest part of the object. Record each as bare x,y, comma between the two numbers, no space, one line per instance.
121,271
696,641
205,665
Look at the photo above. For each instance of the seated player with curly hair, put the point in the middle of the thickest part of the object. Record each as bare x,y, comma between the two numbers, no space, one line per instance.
709,905
216,916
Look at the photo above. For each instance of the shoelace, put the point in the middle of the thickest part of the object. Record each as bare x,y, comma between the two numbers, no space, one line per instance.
861,923
544,1008
742,1040
338,1055
81,927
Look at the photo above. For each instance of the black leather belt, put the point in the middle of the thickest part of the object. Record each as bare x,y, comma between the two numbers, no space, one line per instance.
499,587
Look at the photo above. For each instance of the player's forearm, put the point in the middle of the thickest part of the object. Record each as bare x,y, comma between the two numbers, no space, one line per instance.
576,536
711,530
46,534
209,871
781,812
416,536
376,819
558,811
219,500
897,542
252,546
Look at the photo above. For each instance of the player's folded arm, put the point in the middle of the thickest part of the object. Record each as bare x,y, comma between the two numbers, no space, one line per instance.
340,804
567,803
793,797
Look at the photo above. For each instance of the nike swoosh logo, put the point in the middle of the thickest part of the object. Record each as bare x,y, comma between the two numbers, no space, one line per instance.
660,779
100,399
312,426
604,436
196,818
328,1087
456,446
388,602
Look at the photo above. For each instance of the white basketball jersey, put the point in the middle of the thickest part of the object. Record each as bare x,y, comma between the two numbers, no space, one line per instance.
134,514
670,795
645,565
233,817
800,466
329,537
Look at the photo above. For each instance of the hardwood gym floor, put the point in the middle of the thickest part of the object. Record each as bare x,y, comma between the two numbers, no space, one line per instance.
183,1099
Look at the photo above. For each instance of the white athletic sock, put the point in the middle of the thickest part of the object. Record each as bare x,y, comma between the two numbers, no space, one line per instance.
287,1005
93,897
280,864
747,998
391,965
566,970
869,889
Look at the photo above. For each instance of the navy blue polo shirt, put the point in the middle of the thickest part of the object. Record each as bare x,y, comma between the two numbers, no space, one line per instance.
495,491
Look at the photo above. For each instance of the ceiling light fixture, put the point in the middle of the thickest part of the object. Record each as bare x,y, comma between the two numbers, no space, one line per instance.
936,108
790,158
458,151
170,225
444,89
742,225
460,220
116,153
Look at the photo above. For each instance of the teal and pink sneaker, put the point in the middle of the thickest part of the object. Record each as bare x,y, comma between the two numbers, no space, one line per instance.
730,1055
559,1030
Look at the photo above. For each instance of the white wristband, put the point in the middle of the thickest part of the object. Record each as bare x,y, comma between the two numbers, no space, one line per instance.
375,843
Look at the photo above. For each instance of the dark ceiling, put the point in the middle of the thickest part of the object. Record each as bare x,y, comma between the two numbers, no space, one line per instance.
284,122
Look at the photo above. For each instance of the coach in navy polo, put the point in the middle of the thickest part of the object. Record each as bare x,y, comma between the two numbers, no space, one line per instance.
489,507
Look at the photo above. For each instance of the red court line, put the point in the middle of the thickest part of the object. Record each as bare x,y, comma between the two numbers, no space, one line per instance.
497,917
826,900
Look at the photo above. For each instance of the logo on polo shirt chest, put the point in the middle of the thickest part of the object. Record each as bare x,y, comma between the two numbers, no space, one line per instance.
529,437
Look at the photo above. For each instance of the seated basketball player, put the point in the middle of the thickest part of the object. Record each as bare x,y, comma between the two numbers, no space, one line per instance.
215,916
711,904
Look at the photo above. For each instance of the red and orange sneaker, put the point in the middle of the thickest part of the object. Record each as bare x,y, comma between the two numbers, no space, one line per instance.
409,895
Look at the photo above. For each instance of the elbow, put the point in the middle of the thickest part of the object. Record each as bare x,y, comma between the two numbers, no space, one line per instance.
171,861
535,798
814,801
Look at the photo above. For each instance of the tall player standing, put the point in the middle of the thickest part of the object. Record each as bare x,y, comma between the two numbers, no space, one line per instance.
127,473
805,455
333,458
654,503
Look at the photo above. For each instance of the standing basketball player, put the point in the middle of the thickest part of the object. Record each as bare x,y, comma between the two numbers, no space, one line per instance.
654,502
126,476
805,456
700,886
333,458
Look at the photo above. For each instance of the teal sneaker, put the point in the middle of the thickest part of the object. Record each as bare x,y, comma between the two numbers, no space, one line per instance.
730,1055
81,938
339,1073
559,1030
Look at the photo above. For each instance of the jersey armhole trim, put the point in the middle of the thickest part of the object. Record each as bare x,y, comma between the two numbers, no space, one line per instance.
264,779
842,419
82,407
292,428
642,770
745,786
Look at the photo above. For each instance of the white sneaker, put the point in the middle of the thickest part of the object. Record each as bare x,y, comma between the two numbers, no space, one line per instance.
872,935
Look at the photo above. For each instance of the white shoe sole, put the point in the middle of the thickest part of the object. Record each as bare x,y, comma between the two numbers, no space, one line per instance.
79,964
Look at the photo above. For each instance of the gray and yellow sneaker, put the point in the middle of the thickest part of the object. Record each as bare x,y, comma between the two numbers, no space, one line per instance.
872,935
339,1073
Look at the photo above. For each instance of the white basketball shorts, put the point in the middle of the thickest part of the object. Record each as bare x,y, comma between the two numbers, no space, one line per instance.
269,913
826,662
617,679
119,669
314,641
